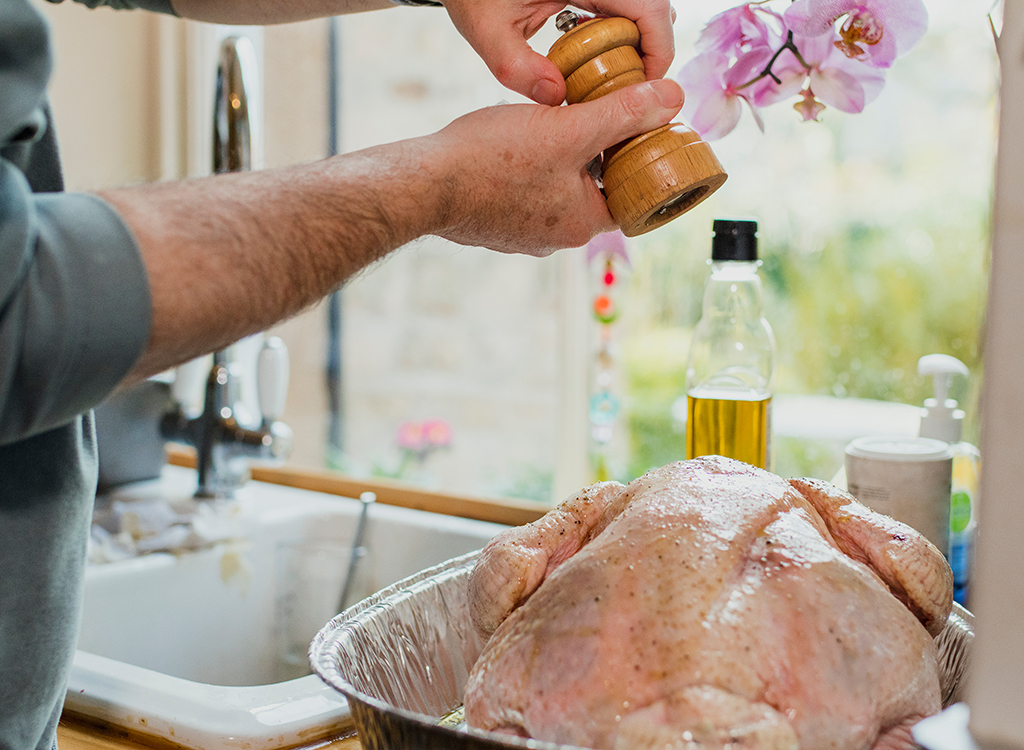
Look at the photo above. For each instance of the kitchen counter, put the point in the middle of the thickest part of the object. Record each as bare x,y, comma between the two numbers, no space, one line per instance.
74,735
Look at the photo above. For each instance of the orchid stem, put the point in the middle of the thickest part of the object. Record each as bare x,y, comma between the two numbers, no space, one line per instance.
791,46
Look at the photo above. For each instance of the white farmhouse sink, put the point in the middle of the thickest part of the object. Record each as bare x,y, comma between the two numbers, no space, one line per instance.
207,649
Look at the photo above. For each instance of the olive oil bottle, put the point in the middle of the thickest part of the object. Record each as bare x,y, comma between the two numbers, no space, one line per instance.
731,365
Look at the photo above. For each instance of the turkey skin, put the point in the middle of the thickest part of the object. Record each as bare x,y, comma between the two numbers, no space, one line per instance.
709,604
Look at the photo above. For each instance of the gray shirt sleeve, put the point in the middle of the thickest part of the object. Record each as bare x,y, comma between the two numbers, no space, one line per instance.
74,296
160,6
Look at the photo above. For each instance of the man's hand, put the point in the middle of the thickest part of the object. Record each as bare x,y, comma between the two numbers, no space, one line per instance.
514,177
498,32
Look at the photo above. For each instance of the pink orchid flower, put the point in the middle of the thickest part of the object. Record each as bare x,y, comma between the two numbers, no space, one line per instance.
834,79
738,29
842,82
788,77
752,54
872,31
808,107
713,94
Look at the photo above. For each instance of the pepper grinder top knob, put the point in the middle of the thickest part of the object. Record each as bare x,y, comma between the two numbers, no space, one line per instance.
567,20
597,56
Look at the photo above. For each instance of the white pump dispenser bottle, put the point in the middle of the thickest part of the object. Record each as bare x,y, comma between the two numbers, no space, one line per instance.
942,420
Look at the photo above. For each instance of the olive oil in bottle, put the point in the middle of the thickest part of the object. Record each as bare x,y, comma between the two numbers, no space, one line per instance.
732,355
728,426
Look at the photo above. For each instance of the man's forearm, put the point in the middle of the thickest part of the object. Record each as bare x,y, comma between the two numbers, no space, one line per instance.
230,255
233,254
270,11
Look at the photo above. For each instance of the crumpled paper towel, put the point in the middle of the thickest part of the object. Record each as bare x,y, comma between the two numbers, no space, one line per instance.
122,530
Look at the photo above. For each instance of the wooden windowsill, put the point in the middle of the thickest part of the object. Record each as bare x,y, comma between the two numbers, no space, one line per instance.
389,492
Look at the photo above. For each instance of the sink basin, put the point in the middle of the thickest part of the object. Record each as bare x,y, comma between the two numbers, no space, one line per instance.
207,648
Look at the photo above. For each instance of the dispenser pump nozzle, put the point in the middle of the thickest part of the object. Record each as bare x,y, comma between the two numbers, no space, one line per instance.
941,419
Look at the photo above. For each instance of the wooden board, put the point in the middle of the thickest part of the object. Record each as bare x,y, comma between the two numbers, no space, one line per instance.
76,735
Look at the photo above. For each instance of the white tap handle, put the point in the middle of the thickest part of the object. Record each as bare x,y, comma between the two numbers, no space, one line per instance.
189,380
272,378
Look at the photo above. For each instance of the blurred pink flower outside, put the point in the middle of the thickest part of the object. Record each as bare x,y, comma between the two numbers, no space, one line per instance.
608,244
410,435
754,55
439,433
424,436
418,440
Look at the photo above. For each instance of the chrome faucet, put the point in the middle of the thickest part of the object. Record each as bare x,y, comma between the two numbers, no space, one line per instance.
232,125
224,437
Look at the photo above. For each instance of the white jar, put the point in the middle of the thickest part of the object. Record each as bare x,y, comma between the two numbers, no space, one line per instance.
907,478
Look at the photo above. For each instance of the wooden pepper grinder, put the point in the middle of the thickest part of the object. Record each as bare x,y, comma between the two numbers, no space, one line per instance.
656,176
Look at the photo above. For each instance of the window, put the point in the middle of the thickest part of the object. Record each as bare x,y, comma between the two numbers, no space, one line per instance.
874,235
438,331
873,231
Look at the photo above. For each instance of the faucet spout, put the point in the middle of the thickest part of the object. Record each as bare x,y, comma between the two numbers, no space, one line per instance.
233,125
224,437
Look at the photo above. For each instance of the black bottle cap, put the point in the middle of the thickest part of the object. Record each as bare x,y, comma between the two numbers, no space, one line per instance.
734,239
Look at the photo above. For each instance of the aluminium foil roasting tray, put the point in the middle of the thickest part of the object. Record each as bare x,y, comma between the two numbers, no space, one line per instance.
402,658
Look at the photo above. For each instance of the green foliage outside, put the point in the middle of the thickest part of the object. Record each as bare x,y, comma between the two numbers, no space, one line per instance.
874,232
851,321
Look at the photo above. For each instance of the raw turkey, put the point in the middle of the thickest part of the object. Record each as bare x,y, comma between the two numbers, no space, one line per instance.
709,604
